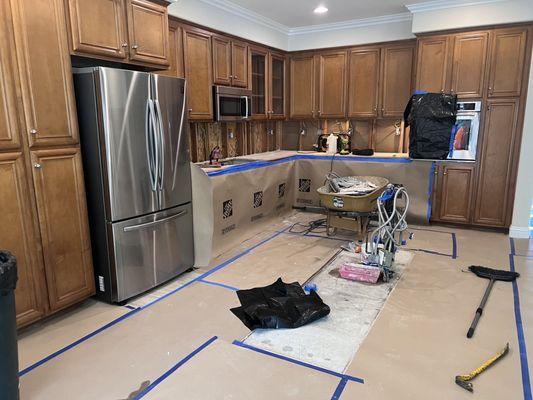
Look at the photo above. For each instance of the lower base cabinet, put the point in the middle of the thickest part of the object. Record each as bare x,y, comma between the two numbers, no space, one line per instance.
455,188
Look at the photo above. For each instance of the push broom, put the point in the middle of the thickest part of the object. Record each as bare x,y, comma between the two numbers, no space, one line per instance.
494,275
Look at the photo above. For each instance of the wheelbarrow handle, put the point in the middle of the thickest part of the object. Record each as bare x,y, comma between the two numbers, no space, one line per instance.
479,310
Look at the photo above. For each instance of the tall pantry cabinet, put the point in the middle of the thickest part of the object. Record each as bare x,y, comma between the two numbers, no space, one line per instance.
43,216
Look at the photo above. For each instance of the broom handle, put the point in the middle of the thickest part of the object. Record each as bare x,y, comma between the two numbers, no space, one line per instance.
479,310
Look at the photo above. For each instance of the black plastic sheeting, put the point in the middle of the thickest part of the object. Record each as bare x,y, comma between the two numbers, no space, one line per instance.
280,305
8,273
431,117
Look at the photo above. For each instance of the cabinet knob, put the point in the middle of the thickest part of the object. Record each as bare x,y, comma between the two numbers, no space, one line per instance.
445,173
33,131
235,77
37,166
442,90
124,45
190,110
375,109
134,47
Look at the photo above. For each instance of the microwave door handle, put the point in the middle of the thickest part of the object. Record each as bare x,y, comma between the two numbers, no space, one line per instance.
150,144
161,138
245,98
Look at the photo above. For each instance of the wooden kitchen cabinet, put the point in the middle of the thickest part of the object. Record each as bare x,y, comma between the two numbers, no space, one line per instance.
198,72
9,124
363,83
302,86
396,79
332,84
19,236
433,64
175,42
469,59
259,82
45,72
493,192
98,27
277,92
148,32
60,193
230,62
507,62
455,192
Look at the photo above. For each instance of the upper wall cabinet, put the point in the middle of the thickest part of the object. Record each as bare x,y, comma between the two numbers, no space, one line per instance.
259,82
396,80
198,71
98,27
433,64
332,85
45,72
363,87
277,86
507,62
469,58
303,86
230,62
120,30
175,43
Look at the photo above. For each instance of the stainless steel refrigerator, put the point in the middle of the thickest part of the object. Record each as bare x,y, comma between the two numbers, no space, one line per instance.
133,129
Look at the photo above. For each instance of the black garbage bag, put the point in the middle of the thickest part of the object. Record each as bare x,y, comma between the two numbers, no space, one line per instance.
279,305
8,273
431,117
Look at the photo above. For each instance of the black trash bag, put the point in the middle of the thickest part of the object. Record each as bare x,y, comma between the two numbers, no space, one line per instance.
431,117
8,273
279,305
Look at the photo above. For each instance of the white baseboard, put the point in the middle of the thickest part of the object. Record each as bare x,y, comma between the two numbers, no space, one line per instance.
519,232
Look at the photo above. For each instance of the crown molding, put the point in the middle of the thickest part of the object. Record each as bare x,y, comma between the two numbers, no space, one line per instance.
252,16
444,4
354,23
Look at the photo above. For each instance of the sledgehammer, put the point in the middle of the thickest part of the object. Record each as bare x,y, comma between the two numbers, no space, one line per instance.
494,275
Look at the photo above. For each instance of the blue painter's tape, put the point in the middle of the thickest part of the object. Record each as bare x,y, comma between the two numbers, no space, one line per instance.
262,164
340,388
454,246
430,189
135,311
298,362
130,307
232,288
174,368
513,247
526,384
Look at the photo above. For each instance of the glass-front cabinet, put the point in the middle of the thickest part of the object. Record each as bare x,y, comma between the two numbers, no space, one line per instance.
268,84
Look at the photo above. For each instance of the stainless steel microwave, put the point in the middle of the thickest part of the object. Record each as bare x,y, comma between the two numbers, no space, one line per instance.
232,104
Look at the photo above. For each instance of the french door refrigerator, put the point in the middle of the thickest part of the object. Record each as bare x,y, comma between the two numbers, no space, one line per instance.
133,130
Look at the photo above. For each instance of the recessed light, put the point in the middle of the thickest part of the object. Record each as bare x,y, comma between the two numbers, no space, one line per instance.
321,10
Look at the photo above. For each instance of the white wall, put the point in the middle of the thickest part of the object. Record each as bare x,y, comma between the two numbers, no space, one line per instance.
500,12
217,18
524,186
316,39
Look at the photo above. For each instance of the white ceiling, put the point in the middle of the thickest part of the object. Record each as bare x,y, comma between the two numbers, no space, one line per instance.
299,13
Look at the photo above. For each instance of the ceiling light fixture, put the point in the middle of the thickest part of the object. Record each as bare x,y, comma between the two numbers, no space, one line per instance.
321,10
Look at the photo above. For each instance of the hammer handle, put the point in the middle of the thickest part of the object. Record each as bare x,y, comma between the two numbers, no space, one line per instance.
479,310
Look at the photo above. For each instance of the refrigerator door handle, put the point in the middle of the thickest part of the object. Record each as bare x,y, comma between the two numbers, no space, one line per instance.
161,139
150,145
154,223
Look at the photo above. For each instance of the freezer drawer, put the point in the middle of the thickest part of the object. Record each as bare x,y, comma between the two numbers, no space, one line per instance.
151,250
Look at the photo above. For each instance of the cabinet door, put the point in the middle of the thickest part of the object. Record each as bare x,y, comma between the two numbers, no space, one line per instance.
19,237
148,32
9,123
363,83
239,64
221,60
469,60
198,71
456,192
396,81
507,62
175,42
332,85
495,173
60,194
45,72
98,27
432,67
259,84
277,89
302,89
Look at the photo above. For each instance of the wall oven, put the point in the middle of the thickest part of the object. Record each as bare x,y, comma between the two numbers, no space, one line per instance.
232,104
465,133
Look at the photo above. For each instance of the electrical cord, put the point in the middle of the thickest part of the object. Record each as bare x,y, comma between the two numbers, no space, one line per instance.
311,226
